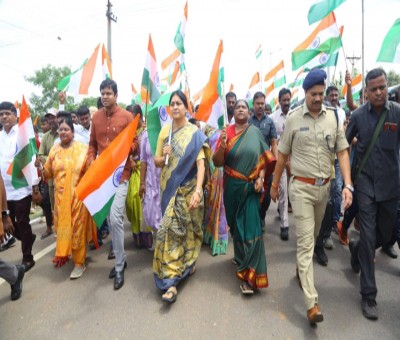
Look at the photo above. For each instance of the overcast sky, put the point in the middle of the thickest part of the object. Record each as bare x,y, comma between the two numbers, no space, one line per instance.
39,32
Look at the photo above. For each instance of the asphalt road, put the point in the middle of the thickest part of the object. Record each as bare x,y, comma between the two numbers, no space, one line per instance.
209,305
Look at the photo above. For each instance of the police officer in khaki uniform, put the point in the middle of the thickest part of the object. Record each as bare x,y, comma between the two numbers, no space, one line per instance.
311,137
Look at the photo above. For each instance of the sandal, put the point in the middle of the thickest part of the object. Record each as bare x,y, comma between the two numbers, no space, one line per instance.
246,289
192,271
172,295
46,234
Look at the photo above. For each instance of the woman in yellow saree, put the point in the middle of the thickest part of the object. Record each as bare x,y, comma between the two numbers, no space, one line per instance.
180,235
74,226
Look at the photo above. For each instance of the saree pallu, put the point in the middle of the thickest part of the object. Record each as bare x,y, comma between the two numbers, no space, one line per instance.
245,156
142,236
180,236
72,221
215,226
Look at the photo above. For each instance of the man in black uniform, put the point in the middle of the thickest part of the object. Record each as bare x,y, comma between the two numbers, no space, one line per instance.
377,186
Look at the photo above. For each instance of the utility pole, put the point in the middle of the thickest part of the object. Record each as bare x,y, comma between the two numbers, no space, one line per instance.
110,17
353,61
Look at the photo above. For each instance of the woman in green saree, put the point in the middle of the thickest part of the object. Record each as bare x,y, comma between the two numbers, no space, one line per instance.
180,235
243,153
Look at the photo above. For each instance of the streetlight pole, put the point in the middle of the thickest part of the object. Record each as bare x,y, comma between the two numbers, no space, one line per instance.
110,17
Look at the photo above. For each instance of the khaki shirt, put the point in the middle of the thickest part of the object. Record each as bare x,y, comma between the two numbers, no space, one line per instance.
310,142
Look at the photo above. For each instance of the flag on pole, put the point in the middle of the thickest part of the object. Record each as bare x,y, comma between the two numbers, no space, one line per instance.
255,85
321,9
274,80
325,38
78,82
180,32
390,50
258,52
136,97
98,186
356,86
106,64
23,170
211,106
150,79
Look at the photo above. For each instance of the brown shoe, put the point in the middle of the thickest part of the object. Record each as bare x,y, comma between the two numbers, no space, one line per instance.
314,315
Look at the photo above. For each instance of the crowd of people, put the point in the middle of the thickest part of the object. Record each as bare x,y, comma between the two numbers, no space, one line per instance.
202,183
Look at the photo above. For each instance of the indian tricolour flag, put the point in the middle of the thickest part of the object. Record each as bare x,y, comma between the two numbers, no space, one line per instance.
274,81
78,82
211,106
23,170
106,63
98,186
255,85
356,86
150,79
180,32
390,50
321,9
325,38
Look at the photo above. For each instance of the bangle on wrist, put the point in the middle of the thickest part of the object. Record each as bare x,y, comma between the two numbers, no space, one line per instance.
274,186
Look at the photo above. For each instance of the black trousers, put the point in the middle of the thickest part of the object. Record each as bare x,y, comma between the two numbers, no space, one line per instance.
46,204
266,200
376,229
19,214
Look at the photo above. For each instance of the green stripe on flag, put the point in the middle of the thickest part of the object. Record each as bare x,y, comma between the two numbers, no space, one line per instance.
21,160
147,83
300,58
280,82
63,83
390,47
102,214
178,40
321,9
153,128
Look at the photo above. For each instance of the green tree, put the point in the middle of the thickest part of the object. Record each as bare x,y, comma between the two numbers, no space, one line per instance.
46,79
393,78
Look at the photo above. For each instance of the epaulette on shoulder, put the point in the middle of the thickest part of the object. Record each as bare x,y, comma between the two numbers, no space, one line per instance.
294,110
330,108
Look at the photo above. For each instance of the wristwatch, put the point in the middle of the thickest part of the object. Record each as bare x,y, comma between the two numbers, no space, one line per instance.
5,213
350,187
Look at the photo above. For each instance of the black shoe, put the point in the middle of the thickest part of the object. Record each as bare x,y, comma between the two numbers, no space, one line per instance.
33,239
9,244
322,258
355,264
389,251
111,255
112,272
369,309
285,233
28,265
118,280
16,288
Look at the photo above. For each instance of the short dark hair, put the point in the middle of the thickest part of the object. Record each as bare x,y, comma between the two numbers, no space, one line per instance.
63,114
83,110
181,96
8,106
375,73
284,91
258,94
44,119
331,88
230,94
193,121
268,107
67,119
109,83
137,109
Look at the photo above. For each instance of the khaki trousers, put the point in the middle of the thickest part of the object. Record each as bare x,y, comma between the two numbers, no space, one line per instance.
308,204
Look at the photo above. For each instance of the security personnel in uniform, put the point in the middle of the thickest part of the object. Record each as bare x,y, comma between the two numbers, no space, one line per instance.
377,186
311,137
